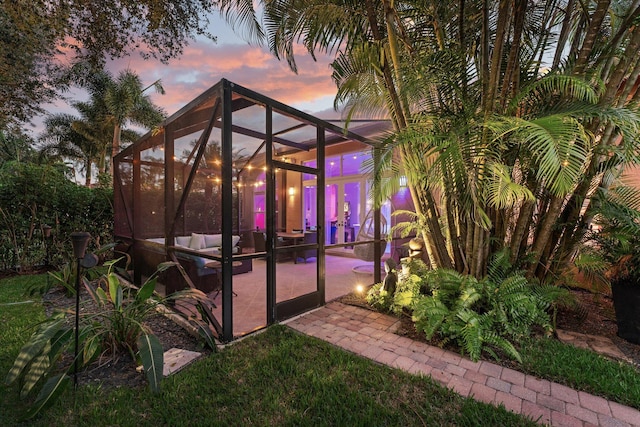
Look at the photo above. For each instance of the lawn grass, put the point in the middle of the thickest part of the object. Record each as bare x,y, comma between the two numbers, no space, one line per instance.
581,369
278,377
18,313
282,378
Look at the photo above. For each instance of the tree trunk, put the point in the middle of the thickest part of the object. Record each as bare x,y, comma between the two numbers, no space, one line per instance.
590,37
88,172
613,44
484,54
436,232
544,233
115,146
512,73
496,56
613,85
454,237
520,232
564,34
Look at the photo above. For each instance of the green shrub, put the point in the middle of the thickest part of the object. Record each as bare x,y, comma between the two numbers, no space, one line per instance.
481,315
32,195
410,284
476,315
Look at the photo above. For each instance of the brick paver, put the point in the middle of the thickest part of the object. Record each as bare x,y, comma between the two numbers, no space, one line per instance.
371,335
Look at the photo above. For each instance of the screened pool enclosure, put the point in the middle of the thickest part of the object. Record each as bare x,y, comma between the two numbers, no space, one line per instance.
254,199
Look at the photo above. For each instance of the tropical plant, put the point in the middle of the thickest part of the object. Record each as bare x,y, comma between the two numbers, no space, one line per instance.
411,284
500,149
85,139
483,315
125,101
614,242
115,326
612,251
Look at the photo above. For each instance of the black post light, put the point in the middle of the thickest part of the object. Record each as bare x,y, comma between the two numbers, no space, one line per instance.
80,241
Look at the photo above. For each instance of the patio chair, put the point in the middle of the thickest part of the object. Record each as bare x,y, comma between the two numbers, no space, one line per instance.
259,245
366,252
309,237
259,242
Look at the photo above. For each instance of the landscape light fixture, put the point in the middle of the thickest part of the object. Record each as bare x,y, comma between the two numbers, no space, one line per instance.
80,241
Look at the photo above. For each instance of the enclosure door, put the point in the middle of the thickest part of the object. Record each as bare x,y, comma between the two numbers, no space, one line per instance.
296,253
344,209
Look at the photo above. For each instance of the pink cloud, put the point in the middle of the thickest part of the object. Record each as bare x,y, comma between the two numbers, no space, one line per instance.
205,63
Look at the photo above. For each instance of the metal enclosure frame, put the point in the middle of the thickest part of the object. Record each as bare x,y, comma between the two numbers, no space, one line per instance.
215,109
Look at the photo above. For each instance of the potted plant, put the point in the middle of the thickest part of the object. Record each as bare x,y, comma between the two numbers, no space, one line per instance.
616,239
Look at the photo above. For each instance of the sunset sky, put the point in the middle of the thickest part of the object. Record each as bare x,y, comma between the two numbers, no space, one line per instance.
205,62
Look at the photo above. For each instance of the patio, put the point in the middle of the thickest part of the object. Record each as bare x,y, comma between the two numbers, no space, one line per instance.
293,280
235,183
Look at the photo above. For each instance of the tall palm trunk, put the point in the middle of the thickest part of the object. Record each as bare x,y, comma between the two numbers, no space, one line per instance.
88,170
590,37
564,34
115,146
496,56
512,74
544,233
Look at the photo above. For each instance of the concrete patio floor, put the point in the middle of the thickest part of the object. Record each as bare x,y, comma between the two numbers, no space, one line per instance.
292,280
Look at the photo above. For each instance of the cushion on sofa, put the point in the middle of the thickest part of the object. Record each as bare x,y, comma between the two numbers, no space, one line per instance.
197,241
183,241
212,240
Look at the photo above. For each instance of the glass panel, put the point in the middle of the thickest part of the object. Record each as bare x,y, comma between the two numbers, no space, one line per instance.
254,198
355,163
183,159
293,278
352,210
249,303
332,166
151,204
259,208
249,169
331,214
123,199
310,207
311,164
293,130
385,213
203,207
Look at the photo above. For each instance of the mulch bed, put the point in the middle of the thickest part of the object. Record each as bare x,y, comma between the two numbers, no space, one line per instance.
120,371
595,316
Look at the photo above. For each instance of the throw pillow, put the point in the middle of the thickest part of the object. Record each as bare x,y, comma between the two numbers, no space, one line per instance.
197,241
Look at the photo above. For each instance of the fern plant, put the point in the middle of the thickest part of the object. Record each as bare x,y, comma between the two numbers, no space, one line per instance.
483,315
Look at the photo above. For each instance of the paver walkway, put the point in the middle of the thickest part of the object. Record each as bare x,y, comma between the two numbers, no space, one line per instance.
371,334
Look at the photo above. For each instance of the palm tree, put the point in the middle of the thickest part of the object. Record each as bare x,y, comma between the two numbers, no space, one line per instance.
123,101
85,138
62,141
495,153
